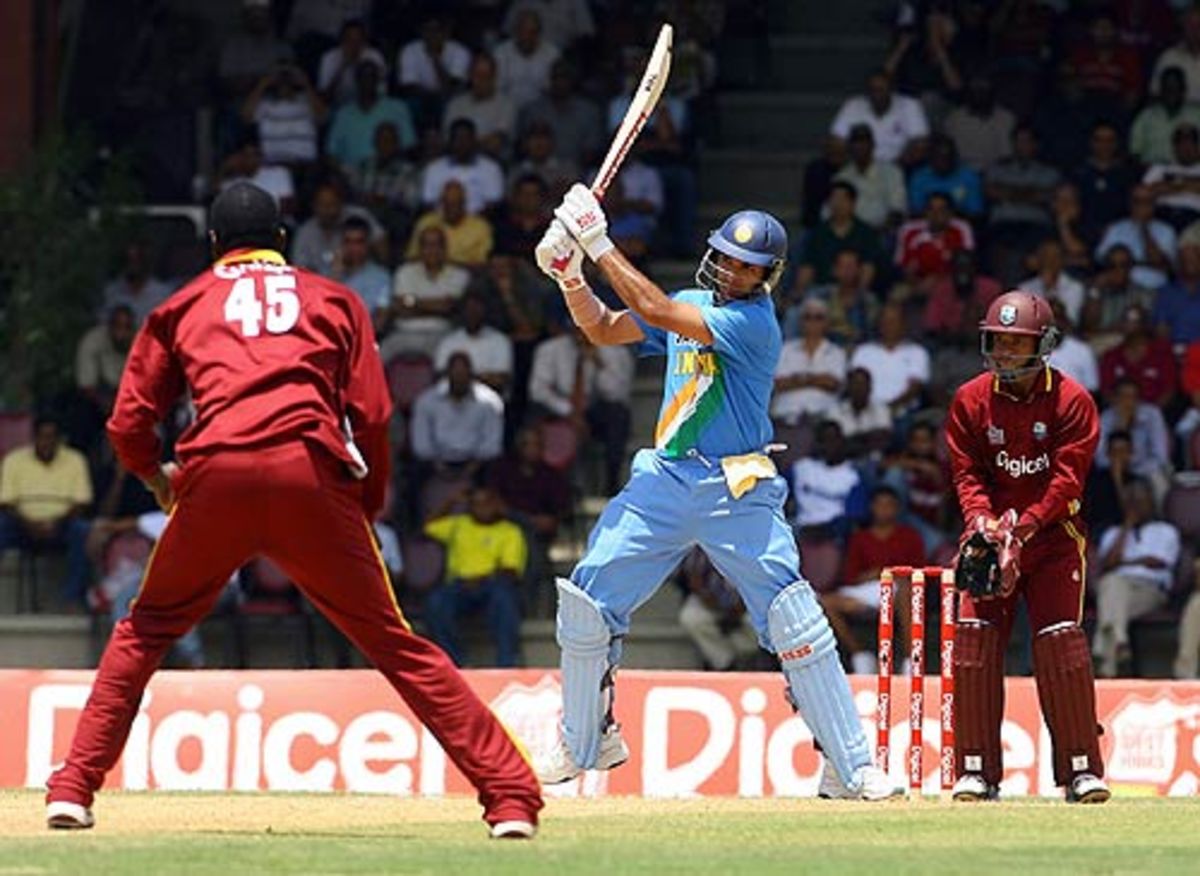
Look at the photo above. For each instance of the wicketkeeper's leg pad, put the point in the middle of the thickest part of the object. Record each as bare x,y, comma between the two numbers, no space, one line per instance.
979,699
804,643
1062,664
587,644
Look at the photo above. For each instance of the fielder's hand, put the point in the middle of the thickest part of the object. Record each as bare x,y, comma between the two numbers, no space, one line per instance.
162,485
584,218
560,257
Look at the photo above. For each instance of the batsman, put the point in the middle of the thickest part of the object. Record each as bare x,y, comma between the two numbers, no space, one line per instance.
708,482
1022,436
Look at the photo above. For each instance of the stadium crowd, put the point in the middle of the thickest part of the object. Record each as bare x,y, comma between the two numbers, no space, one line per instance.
416,156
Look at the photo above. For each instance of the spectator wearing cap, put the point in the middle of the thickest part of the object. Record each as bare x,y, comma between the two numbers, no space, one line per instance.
1151,136
135,286
351,137
981,129
480,175
810,371
574,119
1151,241
842,230
425,291
866,424
1184,54
490,351
469,236
287,111
959,300
355,268
1177,304
338,74
1142,357
523,62
925,246
246,164
881,200
1137,567
946,174
897,121
1110,296
1176,185
899,367
526,213
319,238
1052,281
493,114
1072,356
250,53
432,67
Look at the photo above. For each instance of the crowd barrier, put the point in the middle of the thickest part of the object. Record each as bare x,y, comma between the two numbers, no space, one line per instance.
690,734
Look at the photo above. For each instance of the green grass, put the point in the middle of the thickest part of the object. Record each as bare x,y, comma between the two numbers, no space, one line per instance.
150,834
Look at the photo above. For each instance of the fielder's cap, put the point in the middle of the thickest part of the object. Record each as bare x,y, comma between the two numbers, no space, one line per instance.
243,209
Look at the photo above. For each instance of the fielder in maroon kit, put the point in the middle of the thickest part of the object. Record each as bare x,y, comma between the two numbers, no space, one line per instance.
1022,437
287,458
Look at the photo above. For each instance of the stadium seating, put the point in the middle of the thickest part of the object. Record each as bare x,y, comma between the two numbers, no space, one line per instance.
15,429
560,443
820,562
273,599
408,376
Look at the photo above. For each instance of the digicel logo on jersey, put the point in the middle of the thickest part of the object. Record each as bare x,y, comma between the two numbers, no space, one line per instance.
1019,466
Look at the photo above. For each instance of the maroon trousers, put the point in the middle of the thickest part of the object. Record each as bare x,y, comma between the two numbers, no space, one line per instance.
296,505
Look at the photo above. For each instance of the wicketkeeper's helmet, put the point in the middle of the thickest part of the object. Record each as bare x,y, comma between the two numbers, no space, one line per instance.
1019,313
752,236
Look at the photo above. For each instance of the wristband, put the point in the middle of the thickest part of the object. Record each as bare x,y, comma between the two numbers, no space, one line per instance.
598,247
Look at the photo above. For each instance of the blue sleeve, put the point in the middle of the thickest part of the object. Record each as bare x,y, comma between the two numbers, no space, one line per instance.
1161,315
745,334
973,203
918,191
655,341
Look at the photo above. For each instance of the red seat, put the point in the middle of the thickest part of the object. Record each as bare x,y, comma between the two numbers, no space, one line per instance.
821,562
560,443
409,374
424,562
1194,451
15,430
273,598
1182,506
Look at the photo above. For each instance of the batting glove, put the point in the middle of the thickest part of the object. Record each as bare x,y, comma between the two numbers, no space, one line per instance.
560,257
584,218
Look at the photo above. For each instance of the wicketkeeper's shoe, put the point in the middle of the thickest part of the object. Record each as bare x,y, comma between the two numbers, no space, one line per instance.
973,788
514,830
874,785
62,815
560,767
1087,788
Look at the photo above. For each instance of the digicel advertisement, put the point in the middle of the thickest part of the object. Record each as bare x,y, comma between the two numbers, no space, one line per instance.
690,733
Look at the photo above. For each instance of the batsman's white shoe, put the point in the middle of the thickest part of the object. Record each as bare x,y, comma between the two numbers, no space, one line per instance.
831,787
1087,788
62,815
875,785
560,767
514,830
972,788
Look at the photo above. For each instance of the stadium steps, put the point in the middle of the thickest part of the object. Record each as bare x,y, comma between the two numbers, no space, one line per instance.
775,120
751,176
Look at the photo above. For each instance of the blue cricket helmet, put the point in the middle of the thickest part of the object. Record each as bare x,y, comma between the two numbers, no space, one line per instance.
752,236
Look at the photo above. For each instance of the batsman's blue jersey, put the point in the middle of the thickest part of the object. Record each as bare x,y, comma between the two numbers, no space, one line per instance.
716,398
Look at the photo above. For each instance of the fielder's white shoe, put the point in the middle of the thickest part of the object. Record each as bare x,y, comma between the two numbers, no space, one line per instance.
62,815
972,788
560,767
874,785
514,830
1088,788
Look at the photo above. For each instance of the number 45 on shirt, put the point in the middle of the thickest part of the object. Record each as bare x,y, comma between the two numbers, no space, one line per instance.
279,306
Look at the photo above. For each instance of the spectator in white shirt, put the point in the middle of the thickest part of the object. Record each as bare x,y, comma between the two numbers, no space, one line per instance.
318,239
434,66
481,176
1185,55
490,351
1176,185
811,369
866,425
898,122
1073,356
523,62
1152,242
135,287
287,110
493,113
899,367
1053,282
882,200
424,293
1137,565
826,486
563,21
589,385
336,73
1145,424
458,423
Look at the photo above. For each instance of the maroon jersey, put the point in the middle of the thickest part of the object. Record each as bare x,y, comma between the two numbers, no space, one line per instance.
1030,454
270,354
